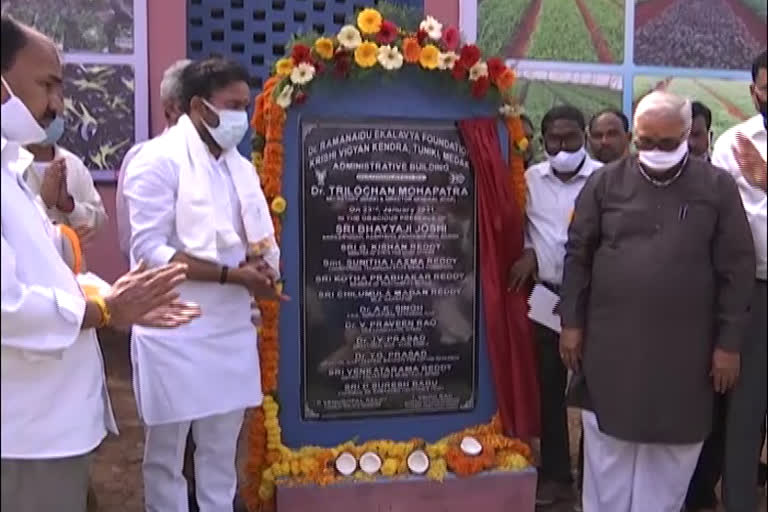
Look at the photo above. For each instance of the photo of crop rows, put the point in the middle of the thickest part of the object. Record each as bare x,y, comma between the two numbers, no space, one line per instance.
539,91
718,34
561,30
729,100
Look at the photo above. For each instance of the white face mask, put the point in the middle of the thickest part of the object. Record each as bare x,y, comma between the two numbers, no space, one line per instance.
659,161
567,161
233,124
18,123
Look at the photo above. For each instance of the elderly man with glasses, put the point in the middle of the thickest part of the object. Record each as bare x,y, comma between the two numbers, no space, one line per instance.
659,271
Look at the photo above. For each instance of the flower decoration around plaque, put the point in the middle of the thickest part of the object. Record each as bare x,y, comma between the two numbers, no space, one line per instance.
374,43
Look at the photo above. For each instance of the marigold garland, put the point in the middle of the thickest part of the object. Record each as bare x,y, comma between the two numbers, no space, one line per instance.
269,462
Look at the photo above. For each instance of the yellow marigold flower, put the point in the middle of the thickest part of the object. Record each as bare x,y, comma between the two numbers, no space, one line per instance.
389,468
523,144
283,67
278,205
366,54
369,21
324,48
430,57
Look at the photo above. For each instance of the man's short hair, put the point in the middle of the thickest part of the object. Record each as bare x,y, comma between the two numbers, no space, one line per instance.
760,62
13,38
170,85
564,112
700,109
615,112
202,78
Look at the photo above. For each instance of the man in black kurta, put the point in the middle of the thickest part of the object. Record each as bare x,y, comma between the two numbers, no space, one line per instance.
658,276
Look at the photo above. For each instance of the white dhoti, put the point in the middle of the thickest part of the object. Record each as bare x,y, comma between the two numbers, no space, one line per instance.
165,488
621,476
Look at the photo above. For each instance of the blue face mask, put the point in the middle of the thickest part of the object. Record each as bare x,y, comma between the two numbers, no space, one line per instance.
53,132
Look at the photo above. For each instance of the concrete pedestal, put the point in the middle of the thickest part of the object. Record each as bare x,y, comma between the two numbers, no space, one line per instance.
487,492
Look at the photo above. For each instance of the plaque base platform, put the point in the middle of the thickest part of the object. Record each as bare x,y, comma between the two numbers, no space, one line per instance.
486,492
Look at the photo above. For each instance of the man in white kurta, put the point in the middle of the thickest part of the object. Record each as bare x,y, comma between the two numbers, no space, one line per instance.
55,408
193,198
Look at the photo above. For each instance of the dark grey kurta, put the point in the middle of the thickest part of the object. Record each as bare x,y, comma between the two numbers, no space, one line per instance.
657,277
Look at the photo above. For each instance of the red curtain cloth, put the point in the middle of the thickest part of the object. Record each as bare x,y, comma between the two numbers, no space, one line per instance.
507,328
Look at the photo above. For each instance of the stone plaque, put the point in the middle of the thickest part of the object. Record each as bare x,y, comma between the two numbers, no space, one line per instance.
388,262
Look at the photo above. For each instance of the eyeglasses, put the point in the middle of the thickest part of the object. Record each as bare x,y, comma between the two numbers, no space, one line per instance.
663,144
555,143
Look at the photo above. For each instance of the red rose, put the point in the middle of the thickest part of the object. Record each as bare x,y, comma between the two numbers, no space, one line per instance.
451,38
470,55
422,37
301,53
480,87
319,67
388,33
496,67
300,98
459,72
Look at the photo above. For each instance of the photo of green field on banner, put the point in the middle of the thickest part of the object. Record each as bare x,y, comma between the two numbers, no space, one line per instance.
714,34
728,100
559,30
539,91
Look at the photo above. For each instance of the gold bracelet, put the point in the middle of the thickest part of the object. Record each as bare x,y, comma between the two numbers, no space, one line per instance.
106,316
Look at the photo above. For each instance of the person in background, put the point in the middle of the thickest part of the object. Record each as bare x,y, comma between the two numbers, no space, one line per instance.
658,242
193,198
170,95
609,136
64,184
701,131
701,495
742,152
55,407
552,189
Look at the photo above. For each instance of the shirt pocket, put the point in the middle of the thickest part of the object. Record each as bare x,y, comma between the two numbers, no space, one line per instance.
696,222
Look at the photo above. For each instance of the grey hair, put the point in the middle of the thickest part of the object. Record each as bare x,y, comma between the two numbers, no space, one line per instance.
170,85
665,103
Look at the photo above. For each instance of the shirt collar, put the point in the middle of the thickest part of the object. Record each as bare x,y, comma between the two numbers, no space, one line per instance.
754,126
587,168
15,158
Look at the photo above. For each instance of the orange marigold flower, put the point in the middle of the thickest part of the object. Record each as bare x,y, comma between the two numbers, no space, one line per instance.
411,50
506,80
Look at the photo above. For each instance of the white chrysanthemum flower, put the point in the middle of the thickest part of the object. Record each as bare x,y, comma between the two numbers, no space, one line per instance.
432,27
508,110
303,73
478,71
349,37
447,60
285,97
390,57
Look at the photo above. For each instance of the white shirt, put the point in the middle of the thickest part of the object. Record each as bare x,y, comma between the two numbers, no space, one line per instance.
548,210
121,208
54,396
754,199
89,209
211,365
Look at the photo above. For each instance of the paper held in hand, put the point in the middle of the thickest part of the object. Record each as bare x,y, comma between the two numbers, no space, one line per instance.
542,303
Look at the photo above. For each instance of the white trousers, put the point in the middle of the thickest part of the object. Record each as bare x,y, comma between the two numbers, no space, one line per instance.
165,488
621,476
